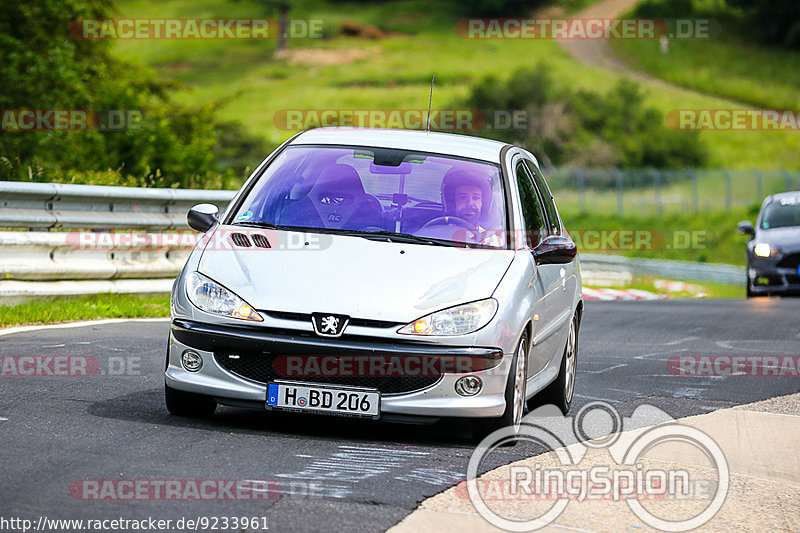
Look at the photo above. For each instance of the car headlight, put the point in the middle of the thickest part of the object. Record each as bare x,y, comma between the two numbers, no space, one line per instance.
211,297
458,320
762,249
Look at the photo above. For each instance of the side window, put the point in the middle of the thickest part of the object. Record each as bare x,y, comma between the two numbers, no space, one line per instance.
532,212
547,200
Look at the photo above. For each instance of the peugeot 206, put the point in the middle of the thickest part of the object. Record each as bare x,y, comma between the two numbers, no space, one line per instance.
385,274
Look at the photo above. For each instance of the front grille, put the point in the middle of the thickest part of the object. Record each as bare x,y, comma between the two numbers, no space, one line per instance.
790,261
364,322
259,367
793,279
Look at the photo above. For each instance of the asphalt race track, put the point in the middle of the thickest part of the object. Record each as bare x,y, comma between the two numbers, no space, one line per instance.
334,474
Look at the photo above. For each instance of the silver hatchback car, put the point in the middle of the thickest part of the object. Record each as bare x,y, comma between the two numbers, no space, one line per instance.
400,275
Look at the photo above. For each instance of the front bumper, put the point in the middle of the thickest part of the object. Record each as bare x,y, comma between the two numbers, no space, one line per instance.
766,277
437,399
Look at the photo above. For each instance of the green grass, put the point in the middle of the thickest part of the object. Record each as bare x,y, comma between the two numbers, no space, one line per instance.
717,190
693,290
745,72
392,73
96,306
682,237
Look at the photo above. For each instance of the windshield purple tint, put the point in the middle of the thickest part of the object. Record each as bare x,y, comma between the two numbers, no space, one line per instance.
380,190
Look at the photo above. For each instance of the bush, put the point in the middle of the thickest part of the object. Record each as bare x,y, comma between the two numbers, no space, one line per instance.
774,22
46,68
584,128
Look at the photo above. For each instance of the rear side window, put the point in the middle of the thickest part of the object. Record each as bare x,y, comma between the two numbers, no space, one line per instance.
547,199
532,212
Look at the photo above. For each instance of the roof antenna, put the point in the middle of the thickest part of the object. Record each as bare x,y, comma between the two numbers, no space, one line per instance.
430,101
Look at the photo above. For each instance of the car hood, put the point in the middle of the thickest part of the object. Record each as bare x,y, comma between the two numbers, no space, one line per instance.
787,239
353,276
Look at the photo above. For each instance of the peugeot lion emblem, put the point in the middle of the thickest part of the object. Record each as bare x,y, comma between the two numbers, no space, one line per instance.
329,325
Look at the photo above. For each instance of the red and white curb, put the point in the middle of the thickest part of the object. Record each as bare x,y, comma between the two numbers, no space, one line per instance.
620,294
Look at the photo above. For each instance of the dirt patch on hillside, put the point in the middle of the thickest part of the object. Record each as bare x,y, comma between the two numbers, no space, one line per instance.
321,57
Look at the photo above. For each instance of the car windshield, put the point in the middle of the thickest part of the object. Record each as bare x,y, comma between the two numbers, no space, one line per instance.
781,214
391,194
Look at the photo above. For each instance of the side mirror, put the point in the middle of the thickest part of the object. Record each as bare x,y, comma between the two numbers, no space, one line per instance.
202,216
555,249
746,228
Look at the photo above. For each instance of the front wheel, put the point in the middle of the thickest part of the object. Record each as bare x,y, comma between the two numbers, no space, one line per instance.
560,391
190,404
515,396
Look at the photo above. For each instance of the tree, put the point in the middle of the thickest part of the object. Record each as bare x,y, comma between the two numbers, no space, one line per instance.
46,68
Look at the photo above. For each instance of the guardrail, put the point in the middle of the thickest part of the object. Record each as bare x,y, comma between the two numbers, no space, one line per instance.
683,270
62,205
46,263
43,263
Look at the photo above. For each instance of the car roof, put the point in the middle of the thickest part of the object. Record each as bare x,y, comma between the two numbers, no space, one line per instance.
777,197
423,141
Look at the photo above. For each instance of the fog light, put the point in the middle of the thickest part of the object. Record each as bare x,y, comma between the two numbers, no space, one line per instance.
191,361
469,385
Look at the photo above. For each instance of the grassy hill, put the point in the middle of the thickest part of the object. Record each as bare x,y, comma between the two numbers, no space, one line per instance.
339,72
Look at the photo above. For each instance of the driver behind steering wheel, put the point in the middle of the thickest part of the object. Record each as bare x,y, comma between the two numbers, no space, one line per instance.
469,196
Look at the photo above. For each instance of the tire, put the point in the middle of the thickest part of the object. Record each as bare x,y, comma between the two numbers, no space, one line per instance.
560,391
189,404
515,396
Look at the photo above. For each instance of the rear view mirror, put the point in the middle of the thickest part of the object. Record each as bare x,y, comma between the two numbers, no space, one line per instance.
202,216
555,249
746,228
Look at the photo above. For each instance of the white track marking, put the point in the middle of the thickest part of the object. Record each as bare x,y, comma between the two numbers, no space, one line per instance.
619,294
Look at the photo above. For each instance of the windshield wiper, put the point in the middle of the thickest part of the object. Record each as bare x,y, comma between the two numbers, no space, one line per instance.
383,235
405,238
270,225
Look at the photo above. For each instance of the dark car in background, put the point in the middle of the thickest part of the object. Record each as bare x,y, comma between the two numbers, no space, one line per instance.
773,251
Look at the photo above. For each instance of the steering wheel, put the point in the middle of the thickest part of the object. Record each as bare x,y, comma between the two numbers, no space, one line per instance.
449,220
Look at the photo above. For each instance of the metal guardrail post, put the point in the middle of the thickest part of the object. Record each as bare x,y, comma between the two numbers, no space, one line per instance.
759,186
728,191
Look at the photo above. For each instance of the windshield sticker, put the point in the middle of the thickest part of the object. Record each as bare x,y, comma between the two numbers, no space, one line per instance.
244,216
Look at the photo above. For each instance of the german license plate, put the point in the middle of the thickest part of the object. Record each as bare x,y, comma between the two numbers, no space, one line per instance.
323,399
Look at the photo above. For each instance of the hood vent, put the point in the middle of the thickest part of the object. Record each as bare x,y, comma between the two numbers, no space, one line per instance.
240,240
260,241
